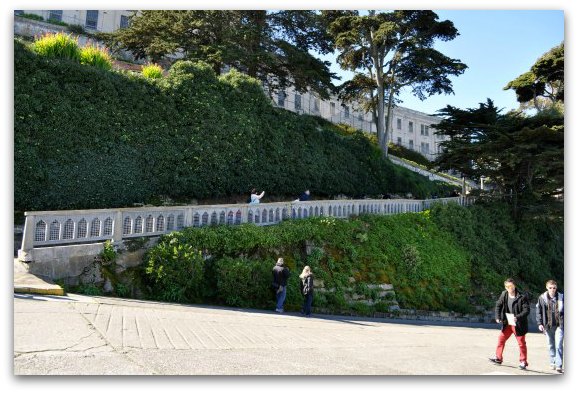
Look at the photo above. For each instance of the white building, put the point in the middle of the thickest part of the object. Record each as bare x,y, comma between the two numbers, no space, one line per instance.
409,128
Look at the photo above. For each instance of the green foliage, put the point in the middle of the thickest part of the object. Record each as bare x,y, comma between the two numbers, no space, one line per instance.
188,135
545,79
77,29
31,16
244,283
108,254
95,56
449,258
59,45
152,71
389,50
174,271
530,250
260,43
522,155
89,289
408,154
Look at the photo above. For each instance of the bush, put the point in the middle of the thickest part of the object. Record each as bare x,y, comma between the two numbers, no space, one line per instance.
174,272
58,45
152,71
95,56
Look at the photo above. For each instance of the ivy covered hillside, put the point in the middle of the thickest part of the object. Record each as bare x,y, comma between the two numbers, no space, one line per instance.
86,136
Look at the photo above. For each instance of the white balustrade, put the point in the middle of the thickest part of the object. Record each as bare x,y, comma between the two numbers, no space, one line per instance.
47,228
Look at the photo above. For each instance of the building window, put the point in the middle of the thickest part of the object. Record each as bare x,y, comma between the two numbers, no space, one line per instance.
281,98
399,140
297,101
346,111
332,107
424,130
123,21
91,19
424,148
55,15
360,117
411,144
399,124
411,126
316,104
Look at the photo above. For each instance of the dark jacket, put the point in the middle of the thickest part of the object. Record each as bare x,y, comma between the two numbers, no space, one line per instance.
280,274
521,310
542,315
306,285
304,197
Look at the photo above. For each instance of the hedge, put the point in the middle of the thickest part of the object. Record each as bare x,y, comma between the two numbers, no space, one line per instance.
89,138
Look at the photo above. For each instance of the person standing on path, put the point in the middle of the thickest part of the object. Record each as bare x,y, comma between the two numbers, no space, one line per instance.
512,309
550,320
280,276
256,198
306,285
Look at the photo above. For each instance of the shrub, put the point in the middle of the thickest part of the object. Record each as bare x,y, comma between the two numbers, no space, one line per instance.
77,29
174,271
57,45
32,16
95,56
152,71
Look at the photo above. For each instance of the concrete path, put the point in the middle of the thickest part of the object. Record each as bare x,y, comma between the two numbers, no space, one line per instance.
81,335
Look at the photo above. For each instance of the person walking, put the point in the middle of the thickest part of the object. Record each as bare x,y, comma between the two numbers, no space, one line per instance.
306,285
280,276
550,320
255,198
512,309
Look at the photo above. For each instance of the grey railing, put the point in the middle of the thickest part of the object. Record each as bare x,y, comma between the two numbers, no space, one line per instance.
54,228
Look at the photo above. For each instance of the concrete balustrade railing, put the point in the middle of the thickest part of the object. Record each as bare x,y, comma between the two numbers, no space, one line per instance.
57,228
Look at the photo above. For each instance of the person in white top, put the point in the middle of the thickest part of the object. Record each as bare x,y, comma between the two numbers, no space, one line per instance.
255,198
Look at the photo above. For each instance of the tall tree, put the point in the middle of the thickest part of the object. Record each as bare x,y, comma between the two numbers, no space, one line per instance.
522,155
391,51
272,46
543,85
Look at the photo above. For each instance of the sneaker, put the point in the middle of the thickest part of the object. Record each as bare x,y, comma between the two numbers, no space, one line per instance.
279,310
559,370
495,360
523,366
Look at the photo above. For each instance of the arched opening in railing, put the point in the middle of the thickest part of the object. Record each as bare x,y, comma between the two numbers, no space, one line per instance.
107,228
68,232
160,223
54,232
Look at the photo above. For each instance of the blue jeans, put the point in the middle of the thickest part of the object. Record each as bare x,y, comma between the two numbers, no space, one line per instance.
281,298
555,337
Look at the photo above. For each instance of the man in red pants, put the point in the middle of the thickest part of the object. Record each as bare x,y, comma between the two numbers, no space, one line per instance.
512,310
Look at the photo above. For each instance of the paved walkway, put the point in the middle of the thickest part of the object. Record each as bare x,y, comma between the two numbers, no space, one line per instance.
80,335
25,282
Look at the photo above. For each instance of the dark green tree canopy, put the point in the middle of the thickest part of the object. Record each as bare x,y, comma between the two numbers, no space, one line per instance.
522,155
543,85
272,46
391,51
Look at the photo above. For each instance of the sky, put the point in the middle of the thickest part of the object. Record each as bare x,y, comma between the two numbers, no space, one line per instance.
496,45
496,49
